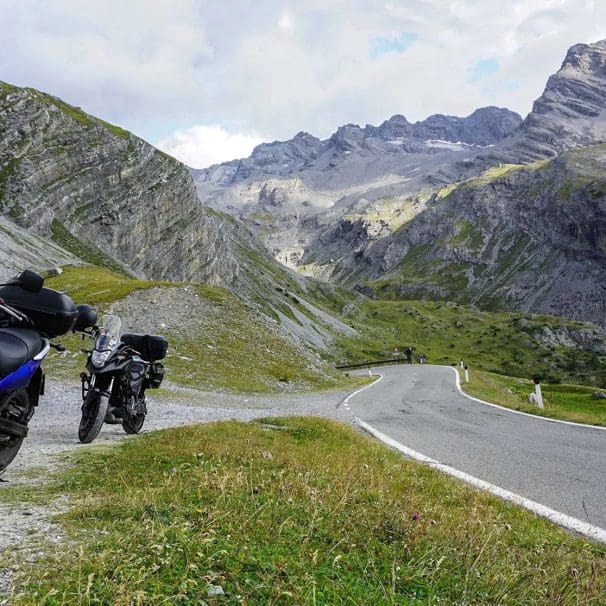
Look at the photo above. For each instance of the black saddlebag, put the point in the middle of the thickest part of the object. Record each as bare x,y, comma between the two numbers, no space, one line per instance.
155,374
150,347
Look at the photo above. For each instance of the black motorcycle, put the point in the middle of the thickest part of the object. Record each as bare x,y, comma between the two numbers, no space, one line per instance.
30,316
120,369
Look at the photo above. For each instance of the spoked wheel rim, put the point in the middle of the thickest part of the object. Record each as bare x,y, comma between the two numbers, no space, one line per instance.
15,407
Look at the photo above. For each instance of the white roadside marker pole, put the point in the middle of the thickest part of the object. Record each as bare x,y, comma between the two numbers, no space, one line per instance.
462,364
537,391
466,374
369,372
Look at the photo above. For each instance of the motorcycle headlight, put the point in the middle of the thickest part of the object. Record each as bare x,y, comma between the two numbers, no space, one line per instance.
99,358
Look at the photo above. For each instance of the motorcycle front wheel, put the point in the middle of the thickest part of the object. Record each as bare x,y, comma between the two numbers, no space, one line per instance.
93,414
15,408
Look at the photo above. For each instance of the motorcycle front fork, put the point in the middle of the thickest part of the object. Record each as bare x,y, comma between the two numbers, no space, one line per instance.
88,383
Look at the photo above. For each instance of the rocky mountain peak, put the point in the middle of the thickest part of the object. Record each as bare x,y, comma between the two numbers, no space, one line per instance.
485,126
308,157
396,127
305,137
579,87
587,58
571,112
302,147
347,138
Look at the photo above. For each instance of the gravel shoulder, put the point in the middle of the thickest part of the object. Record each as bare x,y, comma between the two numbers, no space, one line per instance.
53,433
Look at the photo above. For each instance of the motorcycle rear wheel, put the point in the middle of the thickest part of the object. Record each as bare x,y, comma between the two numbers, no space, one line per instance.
133,415
16,407
93,414
133,423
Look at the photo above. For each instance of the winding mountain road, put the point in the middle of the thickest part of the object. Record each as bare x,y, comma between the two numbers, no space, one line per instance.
561,466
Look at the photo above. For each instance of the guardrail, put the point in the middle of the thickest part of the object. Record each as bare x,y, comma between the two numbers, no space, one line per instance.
370,363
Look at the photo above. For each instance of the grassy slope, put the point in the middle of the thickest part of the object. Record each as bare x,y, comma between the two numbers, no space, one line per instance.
500,342
568,402
303,511
236,351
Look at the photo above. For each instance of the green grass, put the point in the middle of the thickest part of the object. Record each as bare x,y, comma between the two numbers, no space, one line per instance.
567,402
239,351
97,286
490,175
468,235
506,343
294,511
504,170
6,88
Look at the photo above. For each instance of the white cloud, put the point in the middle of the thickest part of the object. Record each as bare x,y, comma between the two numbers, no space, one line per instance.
201,146
276,67
286,21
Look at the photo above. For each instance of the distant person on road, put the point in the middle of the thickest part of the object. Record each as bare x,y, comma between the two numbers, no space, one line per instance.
408,352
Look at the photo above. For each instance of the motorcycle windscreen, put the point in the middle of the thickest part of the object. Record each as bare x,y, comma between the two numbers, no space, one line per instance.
107,341
111,326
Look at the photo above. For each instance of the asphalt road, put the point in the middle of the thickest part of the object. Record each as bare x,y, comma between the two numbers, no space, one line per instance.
558,465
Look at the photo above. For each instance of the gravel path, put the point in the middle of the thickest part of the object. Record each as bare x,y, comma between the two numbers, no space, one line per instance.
53,432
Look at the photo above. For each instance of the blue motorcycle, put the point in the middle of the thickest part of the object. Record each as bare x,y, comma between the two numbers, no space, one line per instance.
30,316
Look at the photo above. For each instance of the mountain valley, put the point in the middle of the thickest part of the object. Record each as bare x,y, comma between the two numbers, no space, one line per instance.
485,211
490,209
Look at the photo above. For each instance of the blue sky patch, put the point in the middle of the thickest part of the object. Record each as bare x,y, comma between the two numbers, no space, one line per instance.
397,44
483,68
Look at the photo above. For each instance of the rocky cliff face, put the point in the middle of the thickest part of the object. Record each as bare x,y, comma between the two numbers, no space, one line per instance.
74,188
528,237
98,191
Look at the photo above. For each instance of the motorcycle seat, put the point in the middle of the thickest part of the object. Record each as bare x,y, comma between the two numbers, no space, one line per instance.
17,346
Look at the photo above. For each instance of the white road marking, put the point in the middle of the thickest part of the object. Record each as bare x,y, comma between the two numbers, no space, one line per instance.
588,530
355,393
517,412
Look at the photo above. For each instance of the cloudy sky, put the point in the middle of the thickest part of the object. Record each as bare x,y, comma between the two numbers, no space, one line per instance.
206,80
